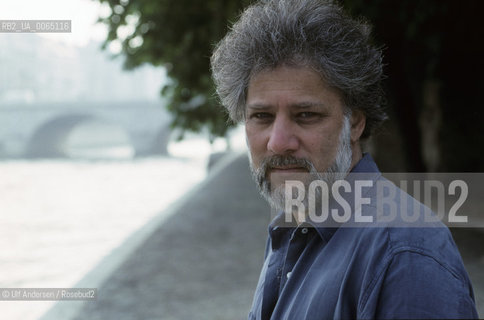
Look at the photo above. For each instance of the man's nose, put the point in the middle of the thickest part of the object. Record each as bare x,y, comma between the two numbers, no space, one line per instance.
282,138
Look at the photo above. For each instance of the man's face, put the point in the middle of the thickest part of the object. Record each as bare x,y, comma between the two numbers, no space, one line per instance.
294,124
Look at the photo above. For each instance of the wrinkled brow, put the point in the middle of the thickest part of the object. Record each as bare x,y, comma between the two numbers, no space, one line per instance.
299,105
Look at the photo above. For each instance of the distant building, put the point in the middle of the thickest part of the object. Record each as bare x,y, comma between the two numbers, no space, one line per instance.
39,70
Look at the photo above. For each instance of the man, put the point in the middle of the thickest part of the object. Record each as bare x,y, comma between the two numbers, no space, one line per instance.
305,79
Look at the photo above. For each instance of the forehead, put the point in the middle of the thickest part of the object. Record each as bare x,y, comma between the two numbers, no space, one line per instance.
290,85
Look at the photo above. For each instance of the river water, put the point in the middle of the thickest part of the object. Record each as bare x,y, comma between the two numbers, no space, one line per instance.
59,218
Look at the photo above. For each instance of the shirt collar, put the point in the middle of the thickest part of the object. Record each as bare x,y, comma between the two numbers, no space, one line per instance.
366,168
365,165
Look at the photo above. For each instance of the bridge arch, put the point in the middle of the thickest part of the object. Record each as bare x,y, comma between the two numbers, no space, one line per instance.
58,138
51,138
48,140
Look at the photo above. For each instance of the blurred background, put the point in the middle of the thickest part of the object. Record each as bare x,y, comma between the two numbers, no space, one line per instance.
87,152
103,128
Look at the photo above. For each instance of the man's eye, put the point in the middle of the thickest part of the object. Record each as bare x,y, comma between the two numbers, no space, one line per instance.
261,116
307,115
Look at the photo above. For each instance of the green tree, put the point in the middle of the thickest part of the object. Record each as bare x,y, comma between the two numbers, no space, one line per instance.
179,35
432,41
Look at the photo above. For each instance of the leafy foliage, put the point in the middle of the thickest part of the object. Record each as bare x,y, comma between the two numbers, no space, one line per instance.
436,40
179,35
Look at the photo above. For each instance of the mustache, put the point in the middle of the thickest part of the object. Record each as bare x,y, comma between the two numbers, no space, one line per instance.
284,160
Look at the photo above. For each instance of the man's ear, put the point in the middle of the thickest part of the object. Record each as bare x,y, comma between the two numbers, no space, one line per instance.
358,122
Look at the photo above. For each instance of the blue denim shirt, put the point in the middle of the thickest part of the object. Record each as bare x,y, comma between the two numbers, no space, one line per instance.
318,272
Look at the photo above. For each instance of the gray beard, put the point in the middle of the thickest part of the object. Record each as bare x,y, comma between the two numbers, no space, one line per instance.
337,171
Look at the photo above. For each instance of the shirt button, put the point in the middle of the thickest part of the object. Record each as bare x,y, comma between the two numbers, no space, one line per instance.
304,230
288,275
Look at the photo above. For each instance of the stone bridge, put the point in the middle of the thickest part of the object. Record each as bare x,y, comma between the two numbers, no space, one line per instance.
41,130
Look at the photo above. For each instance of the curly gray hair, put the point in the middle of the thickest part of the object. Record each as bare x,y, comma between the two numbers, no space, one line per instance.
314,33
